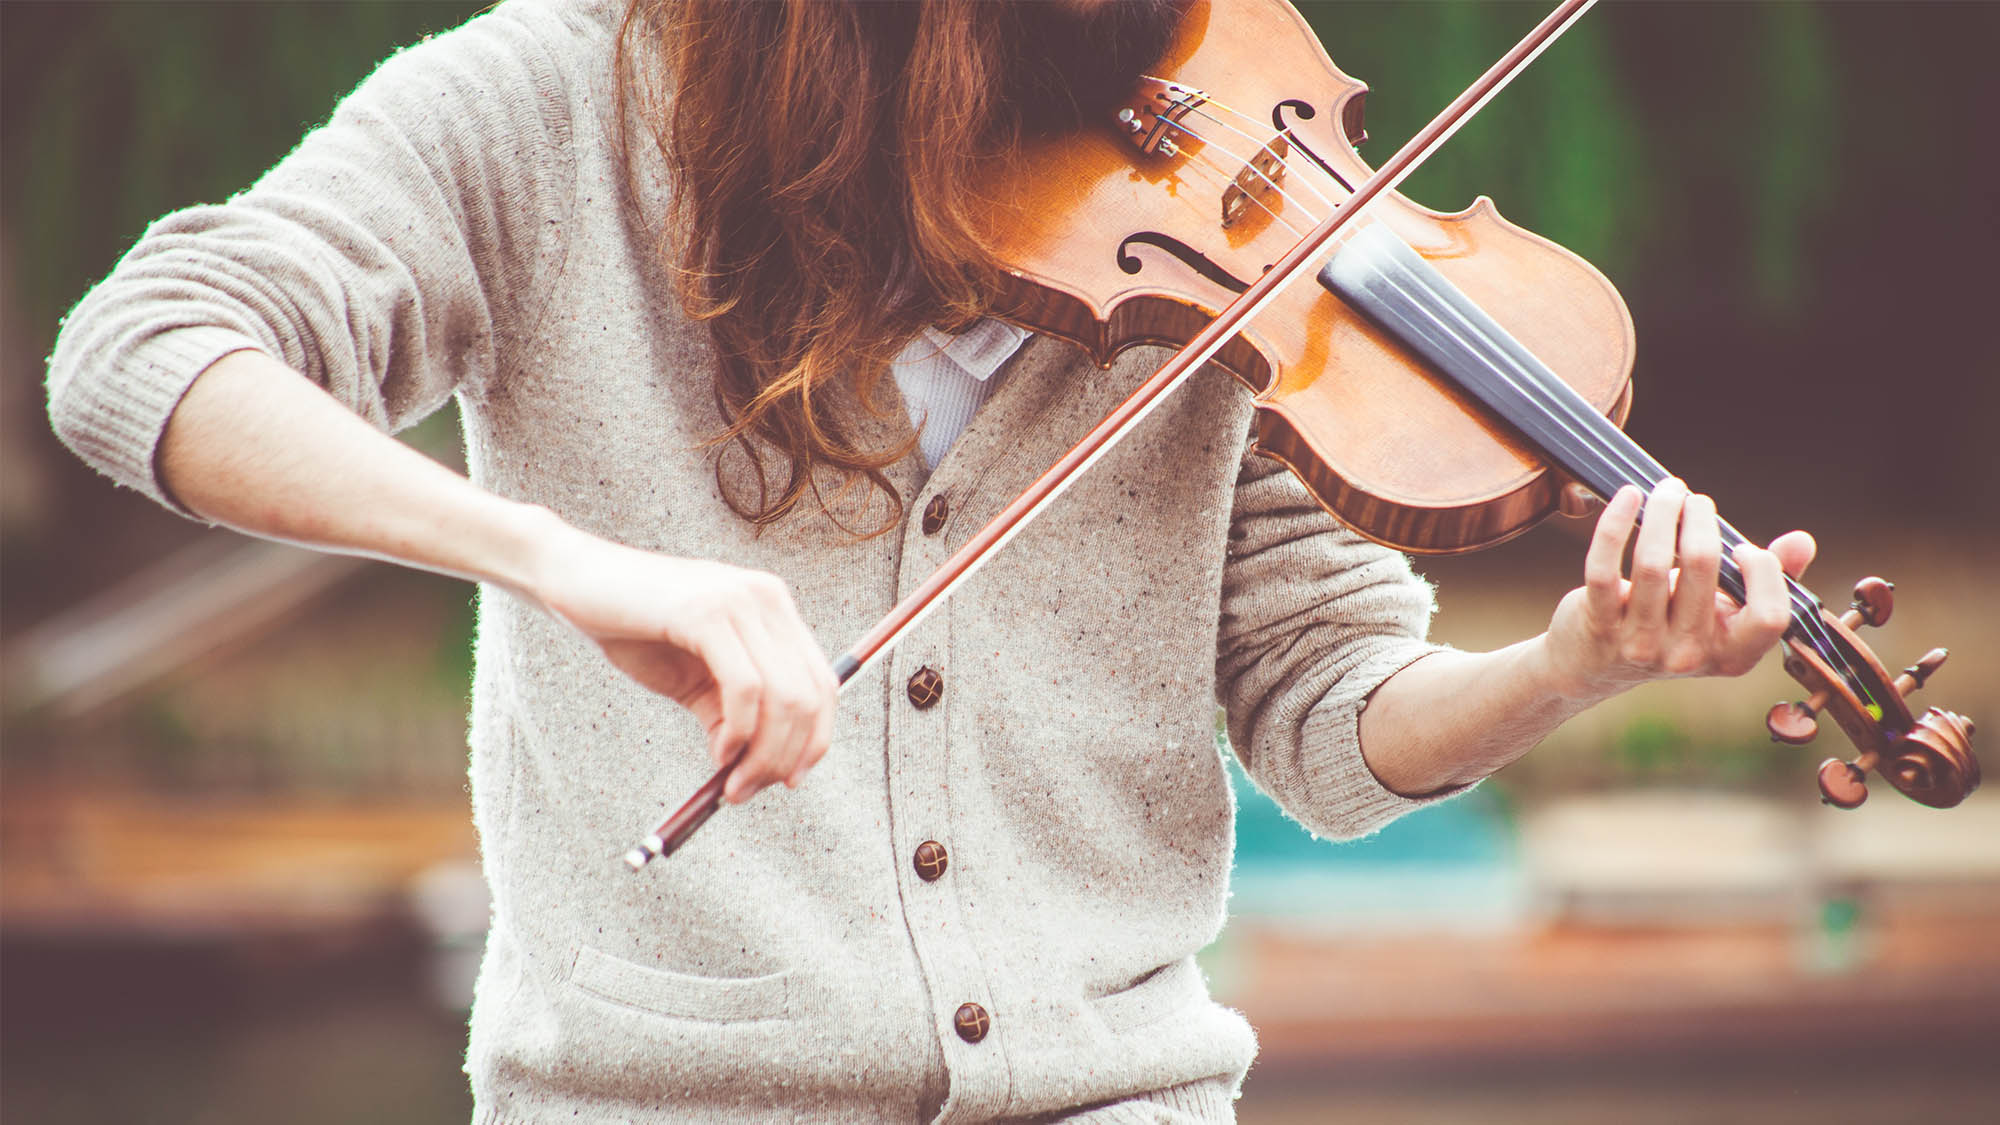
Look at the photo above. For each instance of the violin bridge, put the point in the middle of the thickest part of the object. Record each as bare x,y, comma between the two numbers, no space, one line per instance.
1257,183
1151,118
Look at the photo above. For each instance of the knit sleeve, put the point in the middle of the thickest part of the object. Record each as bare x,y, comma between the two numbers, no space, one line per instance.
390,257
1314,619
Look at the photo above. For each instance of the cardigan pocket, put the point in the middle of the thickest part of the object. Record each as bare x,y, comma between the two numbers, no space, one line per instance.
682,995
1171,988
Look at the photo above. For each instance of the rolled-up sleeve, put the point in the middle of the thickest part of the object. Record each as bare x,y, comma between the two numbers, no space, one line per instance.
388,257
1314,619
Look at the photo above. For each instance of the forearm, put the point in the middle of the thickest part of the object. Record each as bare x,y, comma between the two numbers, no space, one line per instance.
256,446
1452,717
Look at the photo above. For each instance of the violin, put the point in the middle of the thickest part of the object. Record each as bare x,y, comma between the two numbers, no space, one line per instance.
1437,390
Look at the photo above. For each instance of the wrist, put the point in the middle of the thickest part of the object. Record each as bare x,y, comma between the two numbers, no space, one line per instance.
1562,677
535,542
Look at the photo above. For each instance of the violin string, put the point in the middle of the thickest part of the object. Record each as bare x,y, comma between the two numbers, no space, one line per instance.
1231,180
1585,428
1210,167
1625,462
1621,465
1282,131
1282,161
1804,610
1208,99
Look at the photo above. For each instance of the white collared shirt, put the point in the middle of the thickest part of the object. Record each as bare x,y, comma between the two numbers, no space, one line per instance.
944,379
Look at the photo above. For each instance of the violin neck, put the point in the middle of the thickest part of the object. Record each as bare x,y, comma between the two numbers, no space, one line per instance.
1395,289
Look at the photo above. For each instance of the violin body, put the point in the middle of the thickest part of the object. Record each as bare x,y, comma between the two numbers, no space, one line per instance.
1443,382
1136,247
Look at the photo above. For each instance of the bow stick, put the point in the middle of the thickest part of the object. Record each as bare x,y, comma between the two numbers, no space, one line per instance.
1298,262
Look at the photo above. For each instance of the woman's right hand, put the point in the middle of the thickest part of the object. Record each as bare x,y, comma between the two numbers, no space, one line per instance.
724,642
257,446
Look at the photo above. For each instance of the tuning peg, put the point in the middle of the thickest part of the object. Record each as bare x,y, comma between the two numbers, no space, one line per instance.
1874,601
1844,785
1914,676
1795,723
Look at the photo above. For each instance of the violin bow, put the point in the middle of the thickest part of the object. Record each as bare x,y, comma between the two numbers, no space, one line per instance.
1298,262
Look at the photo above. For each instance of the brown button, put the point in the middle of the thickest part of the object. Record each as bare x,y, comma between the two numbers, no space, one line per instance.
935,513
971,1022
926,687
930,860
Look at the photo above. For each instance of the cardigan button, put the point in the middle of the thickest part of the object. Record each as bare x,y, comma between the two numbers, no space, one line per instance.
926,687
935,513
930,861
971,1022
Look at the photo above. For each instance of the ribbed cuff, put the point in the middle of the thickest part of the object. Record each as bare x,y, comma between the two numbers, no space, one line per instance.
1210,1101
1337,775
116,423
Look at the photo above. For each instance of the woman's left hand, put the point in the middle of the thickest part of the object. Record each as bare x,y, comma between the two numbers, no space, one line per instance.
1668,620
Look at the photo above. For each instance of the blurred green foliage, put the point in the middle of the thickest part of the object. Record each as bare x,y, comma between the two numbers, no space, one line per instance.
1658,749
1554,150
112,114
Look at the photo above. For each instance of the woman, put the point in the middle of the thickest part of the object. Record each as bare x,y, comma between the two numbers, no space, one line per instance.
664,257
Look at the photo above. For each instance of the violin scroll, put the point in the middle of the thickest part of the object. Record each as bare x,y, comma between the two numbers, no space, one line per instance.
1928,758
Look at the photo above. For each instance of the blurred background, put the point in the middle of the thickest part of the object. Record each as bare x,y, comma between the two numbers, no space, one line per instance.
237,875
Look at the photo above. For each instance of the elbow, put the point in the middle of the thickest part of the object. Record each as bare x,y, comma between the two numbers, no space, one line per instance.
112,385
66,387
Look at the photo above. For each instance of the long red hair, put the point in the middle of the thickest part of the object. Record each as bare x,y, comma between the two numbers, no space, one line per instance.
824,156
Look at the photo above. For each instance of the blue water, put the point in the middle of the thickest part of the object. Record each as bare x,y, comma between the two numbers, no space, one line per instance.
1475,829
1452,865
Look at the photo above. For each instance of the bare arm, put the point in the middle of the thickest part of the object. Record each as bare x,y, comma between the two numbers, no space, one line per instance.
1451,718
258,447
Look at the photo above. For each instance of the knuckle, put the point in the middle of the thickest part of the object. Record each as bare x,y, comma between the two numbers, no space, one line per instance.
746,692
1649,571
1641,650
1684,660
793,703
768,588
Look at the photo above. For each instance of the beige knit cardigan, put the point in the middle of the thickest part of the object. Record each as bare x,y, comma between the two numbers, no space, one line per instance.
464,226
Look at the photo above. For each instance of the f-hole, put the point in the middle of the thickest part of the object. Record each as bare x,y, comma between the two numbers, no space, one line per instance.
1306,113
1188,255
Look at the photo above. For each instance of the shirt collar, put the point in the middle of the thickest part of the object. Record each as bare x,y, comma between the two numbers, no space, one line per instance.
981,349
